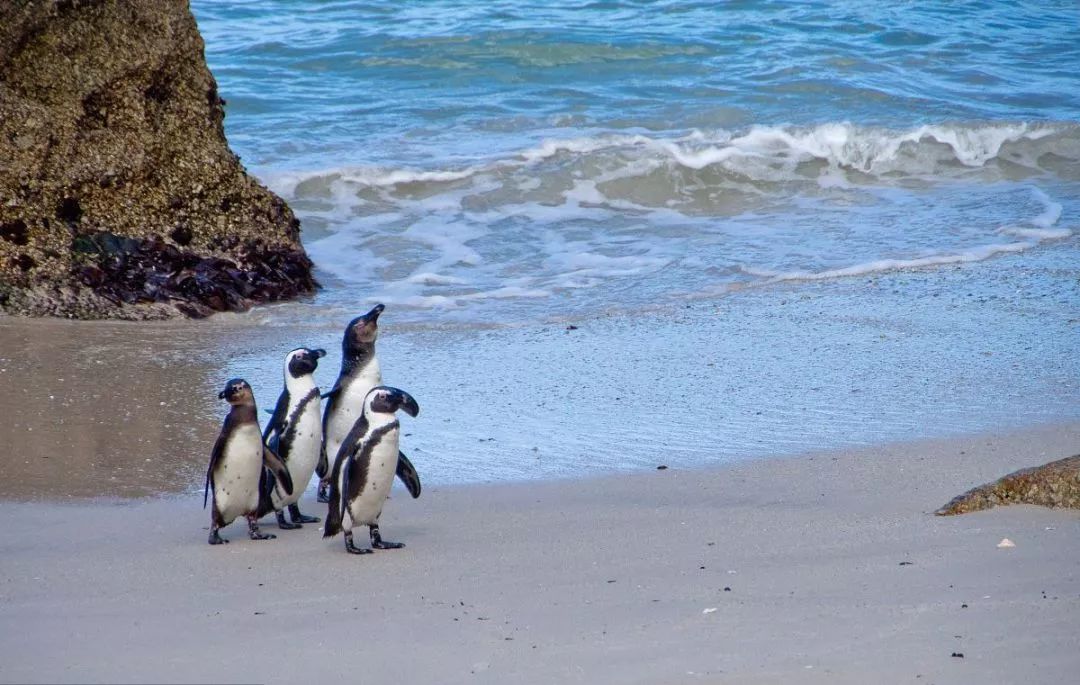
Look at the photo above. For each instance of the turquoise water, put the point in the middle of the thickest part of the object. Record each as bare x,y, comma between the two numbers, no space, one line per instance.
909,173
510,161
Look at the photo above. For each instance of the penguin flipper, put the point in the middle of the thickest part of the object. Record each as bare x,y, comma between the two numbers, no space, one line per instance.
407,474
343,459
333,510
266,488
215,457
324,464
278,468
277,419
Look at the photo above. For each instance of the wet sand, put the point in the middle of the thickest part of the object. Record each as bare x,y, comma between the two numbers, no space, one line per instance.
837,574
130,410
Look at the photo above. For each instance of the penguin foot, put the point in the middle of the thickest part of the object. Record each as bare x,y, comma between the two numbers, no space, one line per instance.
323,494
353,549
216,539
297,517
378,543
385,544
253,530
283,524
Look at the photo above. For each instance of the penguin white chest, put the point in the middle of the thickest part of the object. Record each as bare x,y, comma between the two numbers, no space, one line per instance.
349,406
236,481
365,507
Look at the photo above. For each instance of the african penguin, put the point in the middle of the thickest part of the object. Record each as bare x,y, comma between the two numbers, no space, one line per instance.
360,372
236,465
295,434
364,468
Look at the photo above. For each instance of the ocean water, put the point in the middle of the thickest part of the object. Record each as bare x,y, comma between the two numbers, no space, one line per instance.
477,165
510,161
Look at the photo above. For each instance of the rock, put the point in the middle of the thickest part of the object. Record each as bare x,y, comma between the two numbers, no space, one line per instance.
1056,484
119,196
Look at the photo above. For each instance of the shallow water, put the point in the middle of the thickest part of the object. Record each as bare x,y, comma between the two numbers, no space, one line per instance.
129,410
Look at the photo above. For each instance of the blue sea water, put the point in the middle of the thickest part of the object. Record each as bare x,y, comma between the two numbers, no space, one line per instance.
508,160
908,172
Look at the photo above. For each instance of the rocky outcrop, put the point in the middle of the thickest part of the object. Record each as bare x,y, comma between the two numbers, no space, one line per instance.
119,196
1056,484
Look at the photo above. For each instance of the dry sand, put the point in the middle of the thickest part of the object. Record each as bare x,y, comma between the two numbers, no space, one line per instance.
837,574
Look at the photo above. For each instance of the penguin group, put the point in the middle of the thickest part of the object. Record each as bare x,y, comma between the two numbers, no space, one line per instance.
351,443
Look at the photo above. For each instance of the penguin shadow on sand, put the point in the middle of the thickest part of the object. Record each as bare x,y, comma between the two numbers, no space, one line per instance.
253,473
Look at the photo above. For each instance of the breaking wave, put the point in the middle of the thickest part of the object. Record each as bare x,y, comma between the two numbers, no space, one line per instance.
633,217
828,155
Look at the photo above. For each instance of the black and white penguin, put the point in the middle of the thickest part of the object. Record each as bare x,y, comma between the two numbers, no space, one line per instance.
365,466
360,372
295,435
236,465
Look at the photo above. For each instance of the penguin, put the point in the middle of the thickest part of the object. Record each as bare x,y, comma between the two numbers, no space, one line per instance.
365,466
360,372
236,464
295,435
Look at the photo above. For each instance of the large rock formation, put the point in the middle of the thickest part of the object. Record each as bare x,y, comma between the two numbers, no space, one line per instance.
1056,484
119,196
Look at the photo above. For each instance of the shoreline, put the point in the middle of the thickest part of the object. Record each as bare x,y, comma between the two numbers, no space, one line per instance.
838,574
114,409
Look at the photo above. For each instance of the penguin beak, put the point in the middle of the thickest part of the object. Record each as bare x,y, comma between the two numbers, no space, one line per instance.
221,395
319,354
407,404
373,315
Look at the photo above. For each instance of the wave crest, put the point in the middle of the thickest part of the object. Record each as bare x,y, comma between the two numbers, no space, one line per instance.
826,155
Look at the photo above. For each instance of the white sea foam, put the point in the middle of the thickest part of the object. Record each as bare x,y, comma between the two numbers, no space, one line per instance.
975,254
428,278
1036,234
1052,212
760,154
1042,223
684,213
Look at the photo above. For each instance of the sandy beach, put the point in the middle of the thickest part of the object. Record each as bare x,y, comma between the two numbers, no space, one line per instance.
580,562
707,308
820,568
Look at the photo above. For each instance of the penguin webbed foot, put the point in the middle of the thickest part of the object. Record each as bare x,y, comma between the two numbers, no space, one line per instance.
216,539
378,543
323,495
352,548
385,544
299,518
253,530
283,524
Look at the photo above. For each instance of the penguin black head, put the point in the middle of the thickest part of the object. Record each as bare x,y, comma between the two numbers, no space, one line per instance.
237,391
303,361
387,400
361,332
